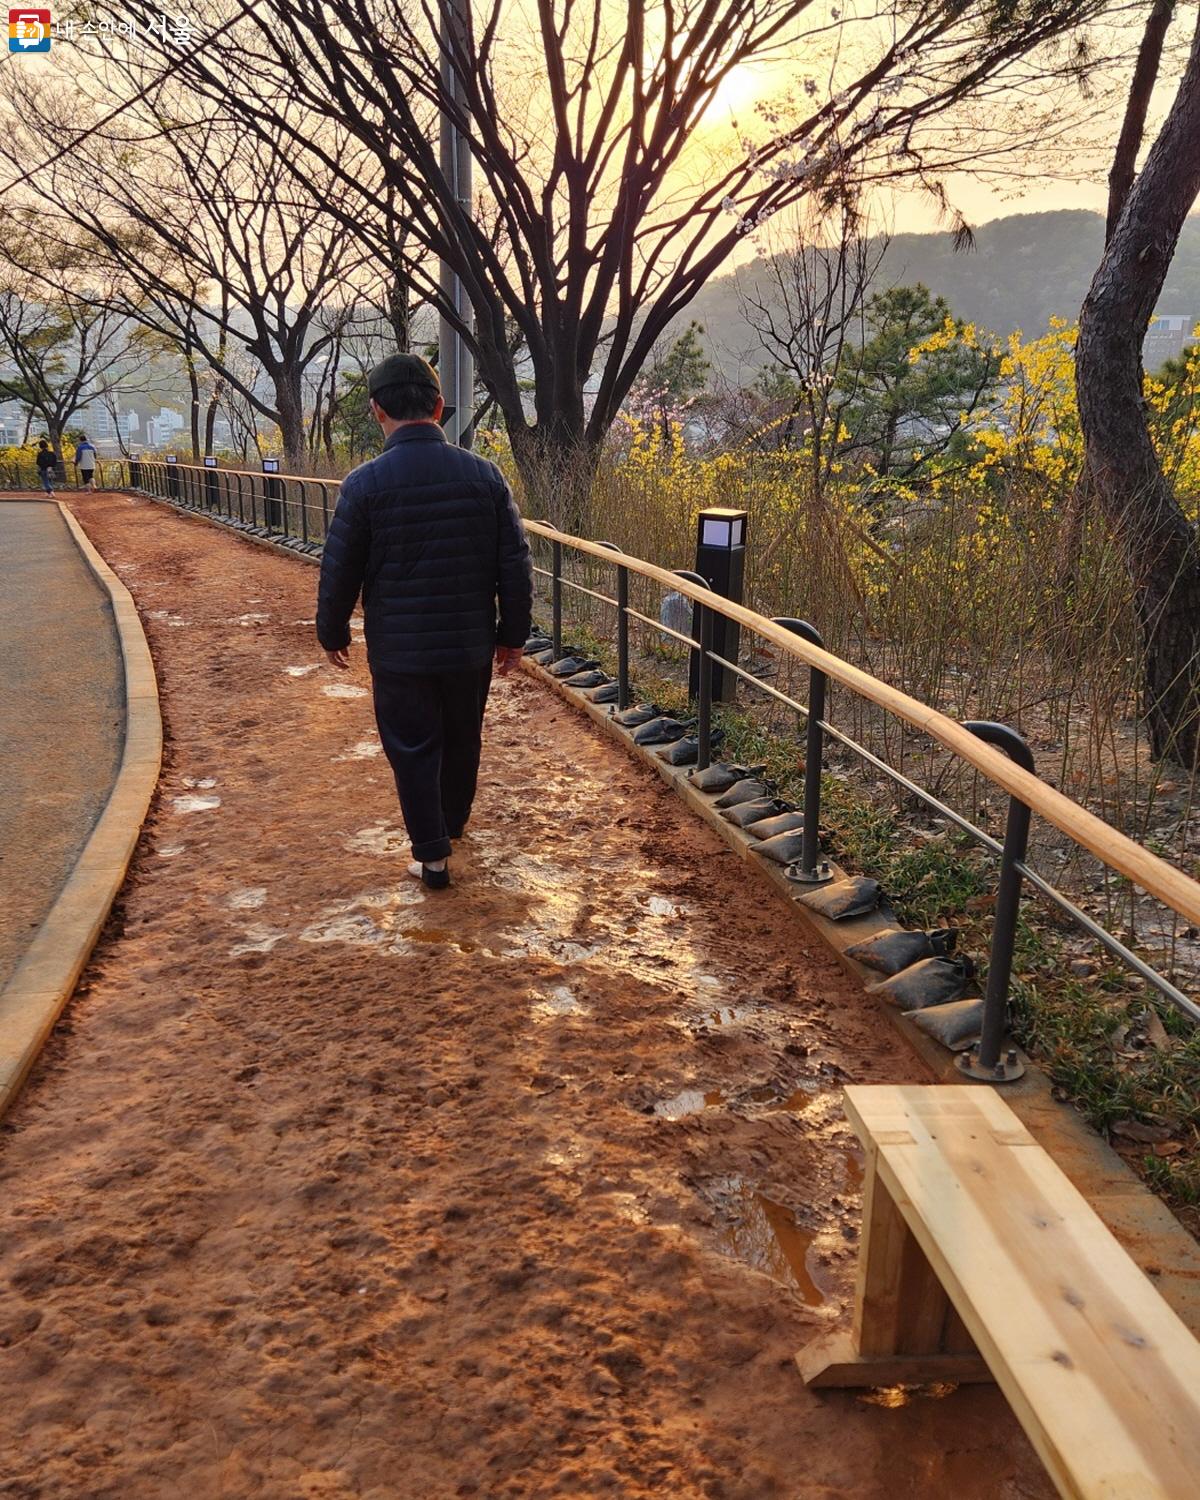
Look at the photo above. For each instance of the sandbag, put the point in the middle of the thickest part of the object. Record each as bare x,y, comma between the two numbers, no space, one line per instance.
889,952
590,679
609,693
956,1025
721,776
640,713
538,643
567,666
659,732
749,789
930,981
783,848
842,898
542,658
746,813
786,822
683,752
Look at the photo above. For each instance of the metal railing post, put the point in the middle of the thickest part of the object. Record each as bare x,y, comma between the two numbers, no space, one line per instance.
813,870
623,692
622,630
984,1062
703,625
556,597
704,730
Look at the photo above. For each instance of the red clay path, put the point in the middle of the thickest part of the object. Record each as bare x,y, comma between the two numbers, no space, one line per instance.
327,1187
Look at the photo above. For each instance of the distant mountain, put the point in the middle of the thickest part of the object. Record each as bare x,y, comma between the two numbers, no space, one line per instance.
1023,270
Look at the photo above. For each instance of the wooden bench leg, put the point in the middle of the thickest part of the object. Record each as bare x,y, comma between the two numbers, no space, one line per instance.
905,1331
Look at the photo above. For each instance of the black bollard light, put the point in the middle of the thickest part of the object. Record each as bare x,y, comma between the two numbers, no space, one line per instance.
721,562
272,495
212,490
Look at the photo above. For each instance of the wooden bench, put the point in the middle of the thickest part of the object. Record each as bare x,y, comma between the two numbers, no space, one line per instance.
979,1260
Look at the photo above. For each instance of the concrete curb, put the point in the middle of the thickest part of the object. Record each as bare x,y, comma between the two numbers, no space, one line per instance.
34,997
1140,1221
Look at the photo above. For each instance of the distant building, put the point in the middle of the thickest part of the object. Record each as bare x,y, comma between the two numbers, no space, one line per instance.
12,424
161,429
1167,337
107,430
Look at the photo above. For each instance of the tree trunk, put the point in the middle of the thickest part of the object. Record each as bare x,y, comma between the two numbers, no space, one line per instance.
194,386
1133,126
1159,545
210,416
289,403
558,466
1120,179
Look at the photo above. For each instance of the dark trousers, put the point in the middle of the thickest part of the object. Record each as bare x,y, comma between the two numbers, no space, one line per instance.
431,725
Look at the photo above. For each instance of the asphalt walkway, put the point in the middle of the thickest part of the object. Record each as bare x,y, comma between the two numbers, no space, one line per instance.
61,714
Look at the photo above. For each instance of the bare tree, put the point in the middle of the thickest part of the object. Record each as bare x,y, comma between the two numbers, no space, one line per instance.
61,328
805,308
223,241
1159,543
580,121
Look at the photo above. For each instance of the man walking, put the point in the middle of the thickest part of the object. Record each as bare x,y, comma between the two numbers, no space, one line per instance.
45,463
85,462
430,535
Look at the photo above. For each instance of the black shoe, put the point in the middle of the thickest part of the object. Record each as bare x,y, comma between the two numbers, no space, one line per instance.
436,880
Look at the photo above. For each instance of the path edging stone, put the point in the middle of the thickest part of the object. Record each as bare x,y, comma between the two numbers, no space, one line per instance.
42,983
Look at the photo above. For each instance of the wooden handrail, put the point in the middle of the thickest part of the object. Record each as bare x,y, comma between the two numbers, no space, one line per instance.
1154,875
248,473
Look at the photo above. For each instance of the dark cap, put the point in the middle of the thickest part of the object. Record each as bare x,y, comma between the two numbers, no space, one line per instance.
402,369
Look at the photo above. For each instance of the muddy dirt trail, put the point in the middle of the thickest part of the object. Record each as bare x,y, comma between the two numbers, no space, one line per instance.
330,1187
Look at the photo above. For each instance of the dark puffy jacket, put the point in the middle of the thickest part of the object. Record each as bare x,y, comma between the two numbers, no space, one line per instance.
431,536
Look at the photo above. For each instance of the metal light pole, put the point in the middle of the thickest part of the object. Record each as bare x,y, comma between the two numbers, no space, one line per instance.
456,367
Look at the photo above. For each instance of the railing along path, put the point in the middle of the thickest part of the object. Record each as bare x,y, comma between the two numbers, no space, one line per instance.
994,750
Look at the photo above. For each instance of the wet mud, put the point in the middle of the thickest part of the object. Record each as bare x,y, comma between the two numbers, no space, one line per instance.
329,1186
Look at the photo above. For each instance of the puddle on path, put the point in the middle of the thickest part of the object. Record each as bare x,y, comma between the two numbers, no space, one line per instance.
556,1003
371,920
439,938
381,839
169,851
302,671
893,1396
634,930
248,899
203,784
688,1102
257,938
344,690
195,804
364,750
764,1234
